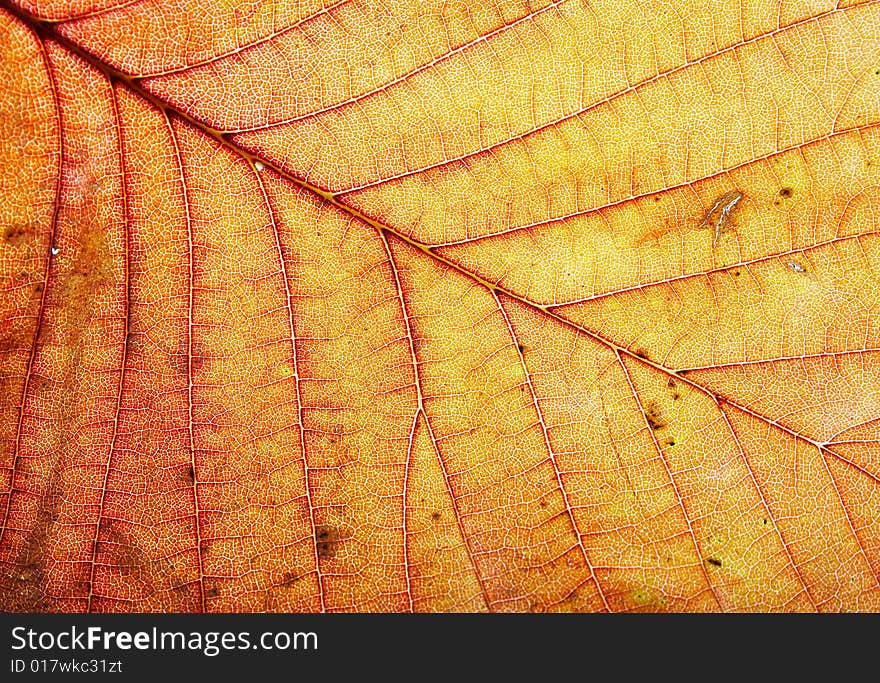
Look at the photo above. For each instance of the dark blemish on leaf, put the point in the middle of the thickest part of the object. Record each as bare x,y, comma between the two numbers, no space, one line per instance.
543,503
641,353
15,235
682,372
435,516
123,552
23,588
134,342
189,476
290,578
180,360
520,348
654,416
714,562
737,273
765,520
327,538
786,192
338,429
212,592
669,442
199,357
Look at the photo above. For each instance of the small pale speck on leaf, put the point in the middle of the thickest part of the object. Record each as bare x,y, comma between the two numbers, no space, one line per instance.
795,267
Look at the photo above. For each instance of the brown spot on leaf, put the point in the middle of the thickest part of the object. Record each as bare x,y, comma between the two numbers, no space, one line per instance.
654,416
180,360
435,516
17,234
146,575
199,356
328,540
290,578
714,562
23,586
641,353
786,192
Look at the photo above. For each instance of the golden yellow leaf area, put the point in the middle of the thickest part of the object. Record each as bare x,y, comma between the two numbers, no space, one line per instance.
439,306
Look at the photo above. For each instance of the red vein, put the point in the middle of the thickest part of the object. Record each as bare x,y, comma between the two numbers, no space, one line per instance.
434,249
94,13
551,454
243,48
863,423
421,409
678,495
679,186
766,505
782,359
110,454
301,427
400,79
404,511
189,368
583,110
42,309
849,522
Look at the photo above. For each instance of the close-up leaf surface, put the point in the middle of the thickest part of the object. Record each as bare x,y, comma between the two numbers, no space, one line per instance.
423,306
